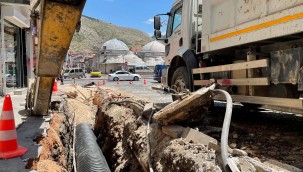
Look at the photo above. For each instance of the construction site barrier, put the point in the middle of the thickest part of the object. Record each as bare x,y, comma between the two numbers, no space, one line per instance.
89,157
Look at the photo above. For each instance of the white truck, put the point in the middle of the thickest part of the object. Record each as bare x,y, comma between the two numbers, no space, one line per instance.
252,48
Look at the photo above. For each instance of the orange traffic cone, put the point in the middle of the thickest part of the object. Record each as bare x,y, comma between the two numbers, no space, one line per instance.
98,86
144,81
9,147
55,87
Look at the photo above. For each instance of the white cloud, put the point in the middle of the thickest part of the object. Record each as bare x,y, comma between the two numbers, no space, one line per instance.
149,21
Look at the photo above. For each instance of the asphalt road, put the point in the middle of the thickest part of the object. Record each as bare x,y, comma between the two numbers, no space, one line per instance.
137,88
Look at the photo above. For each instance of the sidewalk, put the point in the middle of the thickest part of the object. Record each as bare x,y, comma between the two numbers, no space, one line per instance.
27,130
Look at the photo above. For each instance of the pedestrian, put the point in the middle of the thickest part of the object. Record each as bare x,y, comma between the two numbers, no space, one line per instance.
61,77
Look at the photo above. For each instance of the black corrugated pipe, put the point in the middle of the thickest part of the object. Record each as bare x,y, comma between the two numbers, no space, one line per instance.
89,157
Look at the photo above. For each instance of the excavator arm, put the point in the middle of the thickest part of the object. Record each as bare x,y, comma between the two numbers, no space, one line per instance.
58,21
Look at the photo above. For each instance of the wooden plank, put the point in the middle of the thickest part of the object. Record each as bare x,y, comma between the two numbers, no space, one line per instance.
180,109
235,66
284,102
245,81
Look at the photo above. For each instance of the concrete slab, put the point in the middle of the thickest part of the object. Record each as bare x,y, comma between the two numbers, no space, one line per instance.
197,137
15,164
27,132
20,91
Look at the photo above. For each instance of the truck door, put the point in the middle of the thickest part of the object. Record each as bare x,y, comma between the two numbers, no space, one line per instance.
174,33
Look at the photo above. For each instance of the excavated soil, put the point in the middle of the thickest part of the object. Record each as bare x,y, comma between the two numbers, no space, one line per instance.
54,154
121,132
57,142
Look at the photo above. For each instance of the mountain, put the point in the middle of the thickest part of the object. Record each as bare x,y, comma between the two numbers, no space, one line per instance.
94,33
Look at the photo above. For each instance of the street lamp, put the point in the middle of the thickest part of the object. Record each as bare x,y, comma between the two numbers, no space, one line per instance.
104,52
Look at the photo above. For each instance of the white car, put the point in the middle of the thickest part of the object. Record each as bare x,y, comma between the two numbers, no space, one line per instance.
124,75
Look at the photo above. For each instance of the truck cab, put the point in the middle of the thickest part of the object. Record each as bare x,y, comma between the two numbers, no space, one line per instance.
180,41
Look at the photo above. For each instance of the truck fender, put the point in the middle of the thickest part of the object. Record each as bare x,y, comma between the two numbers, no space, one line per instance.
189,58
191,62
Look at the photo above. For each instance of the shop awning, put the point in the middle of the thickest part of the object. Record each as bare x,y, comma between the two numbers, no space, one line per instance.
14,15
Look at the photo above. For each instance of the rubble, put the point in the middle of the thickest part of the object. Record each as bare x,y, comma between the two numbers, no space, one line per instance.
120,124
180,109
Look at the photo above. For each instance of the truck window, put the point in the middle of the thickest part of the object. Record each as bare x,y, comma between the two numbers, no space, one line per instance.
177,18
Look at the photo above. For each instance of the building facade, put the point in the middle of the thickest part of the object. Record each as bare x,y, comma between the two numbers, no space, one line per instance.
152,53
16,45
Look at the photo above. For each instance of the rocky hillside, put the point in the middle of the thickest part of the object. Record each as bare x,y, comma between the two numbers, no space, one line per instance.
94,33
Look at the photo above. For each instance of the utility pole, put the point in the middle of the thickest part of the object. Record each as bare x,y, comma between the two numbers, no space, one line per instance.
105,58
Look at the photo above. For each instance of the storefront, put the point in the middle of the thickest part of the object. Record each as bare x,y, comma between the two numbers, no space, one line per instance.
14,56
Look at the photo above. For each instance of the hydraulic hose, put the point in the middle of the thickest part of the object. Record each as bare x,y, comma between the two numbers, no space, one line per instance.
225,128
89,157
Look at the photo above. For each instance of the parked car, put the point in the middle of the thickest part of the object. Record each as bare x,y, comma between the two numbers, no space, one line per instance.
73,73
124,75
95,73
158,71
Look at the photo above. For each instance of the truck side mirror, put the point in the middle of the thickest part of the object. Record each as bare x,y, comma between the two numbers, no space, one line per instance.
157,34
157,22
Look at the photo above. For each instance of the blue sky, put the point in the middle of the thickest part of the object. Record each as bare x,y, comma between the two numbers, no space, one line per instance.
136,14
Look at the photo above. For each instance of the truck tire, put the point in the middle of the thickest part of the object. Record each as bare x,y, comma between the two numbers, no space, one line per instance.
180,80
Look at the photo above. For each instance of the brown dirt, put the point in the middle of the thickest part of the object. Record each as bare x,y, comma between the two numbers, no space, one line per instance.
122,134
52,149
48,165
263,135
82,105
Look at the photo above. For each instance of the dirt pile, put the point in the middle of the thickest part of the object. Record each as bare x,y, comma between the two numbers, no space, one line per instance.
122,136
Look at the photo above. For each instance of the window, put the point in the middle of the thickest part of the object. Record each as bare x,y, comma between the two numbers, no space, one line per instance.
177,18
77,70
72,71
80,70
119,72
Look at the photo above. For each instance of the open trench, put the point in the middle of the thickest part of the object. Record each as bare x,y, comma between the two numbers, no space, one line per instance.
120,125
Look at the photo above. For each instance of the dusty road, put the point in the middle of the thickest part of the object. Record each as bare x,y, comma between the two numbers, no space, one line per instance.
136,88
